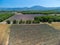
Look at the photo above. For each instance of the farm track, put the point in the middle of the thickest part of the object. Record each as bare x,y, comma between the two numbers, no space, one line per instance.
4,33
41,34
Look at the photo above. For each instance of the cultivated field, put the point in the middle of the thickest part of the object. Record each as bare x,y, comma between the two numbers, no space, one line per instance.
28,34
41,34
24,16
4,16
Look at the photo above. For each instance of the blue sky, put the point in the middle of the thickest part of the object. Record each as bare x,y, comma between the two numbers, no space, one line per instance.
29,3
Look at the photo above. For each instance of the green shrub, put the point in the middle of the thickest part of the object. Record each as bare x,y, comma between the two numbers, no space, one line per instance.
28,22
36,21
8,21
21,22
36,18
1,20
50,21
14,22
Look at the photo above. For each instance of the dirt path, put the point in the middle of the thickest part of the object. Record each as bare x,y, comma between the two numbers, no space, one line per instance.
4,32
7,40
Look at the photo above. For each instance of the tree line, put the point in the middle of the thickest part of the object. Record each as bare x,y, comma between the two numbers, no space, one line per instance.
48,19
4,16
37,20
22,22
40,12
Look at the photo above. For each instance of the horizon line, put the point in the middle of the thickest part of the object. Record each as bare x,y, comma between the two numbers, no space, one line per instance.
31,6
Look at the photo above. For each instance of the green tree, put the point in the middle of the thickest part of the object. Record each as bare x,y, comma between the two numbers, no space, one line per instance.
50,21
14,22
36,21
21,22
28,22
8,21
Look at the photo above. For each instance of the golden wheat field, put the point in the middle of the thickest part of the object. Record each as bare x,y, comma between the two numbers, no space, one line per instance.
55,25
4,34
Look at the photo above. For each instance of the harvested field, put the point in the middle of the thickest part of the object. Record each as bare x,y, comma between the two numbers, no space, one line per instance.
41,34
55,25
24,16
3,34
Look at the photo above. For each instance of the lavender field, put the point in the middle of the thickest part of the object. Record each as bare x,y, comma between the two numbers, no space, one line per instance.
24,16
42,34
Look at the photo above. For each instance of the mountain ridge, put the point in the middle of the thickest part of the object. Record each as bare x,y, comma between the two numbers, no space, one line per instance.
31,8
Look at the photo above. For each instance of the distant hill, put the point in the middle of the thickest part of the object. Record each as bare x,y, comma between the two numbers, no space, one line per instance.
30,8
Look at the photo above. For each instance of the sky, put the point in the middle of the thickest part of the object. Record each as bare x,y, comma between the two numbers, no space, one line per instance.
29,3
